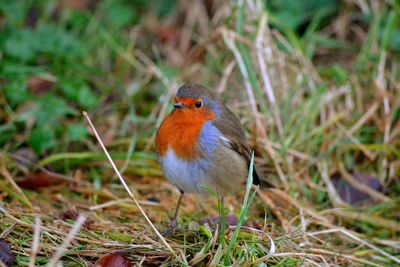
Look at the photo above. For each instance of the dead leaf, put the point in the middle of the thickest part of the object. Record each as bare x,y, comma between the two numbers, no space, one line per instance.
351,194
72,214
25,156
39,85
169,34
38,180
6,255
73,4
113,260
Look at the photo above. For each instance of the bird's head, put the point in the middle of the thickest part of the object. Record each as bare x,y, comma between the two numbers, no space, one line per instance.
196,101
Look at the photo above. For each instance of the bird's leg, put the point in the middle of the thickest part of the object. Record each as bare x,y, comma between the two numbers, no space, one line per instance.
173,220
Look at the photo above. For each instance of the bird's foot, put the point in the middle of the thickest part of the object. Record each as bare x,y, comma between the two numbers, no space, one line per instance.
171,230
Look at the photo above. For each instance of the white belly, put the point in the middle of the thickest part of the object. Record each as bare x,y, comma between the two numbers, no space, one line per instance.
186,175
224,172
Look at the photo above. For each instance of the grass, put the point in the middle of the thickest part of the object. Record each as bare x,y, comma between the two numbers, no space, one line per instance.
315,84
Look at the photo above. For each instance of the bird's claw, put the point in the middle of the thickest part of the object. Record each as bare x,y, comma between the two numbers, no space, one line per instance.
171,230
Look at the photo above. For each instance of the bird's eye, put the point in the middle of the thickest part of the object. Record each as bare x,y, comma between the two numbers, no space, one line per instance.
198,104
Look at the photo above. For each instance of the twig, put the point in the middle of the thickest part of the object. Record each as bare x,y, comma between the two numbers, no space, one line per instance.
142,261
266,198
35,242
333,195
362,147
290,151
369,218
109,203
354,237
224,80
287,254
8,176
59,253
350,257
8,230
265,76
125,185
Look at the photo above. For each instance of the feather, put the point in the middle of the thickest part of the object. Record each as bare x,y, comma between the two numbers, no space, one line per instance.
235,139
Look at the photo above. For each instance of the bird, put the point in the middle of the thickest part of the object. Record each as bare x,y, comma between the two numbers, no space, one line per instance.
201,146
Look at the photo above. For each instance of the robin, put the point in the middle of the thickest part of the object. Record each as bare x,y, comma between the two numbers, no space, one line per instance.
201,145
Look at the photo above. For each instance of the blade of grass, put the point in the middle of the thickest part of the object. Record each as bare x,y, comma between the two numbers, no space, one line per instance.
222,222
239,16
10,179
363,60
93,156
243,211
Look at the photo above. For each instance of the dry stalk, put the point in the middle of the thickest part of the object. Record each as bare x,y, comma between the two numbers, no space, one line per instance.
271,205
54,261
35,242
267,83
362,241
126,186
333,195
10,179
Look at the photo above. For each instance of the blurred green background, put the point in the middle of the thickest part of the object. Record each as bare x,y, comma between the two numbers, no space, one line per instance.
333,70
61,57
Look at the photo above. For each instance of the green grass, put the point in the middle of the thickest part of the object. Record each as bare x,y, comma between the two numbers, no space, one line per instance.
334,74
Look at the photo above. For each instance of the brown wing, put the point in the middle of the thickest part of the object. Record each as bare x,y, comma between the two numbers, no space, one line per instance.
235,139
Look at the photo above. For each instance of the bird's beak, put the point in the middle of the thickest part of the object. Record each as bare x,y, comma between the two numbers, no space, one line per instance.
178,105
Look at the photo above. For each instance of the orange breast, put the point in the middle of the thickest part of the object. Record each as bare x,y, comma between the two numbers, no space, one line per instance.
180,132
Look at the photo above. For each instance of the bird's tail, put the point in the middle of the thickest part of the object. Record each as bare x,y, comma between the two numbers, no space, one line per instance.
261,181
